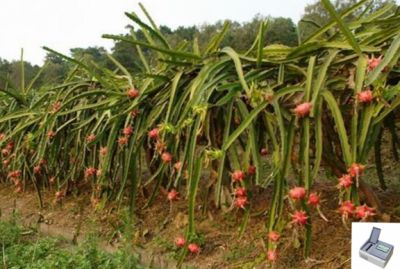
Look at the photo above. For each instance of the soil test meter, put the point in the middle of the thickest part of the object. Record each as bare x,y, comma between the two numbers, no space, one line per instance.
375,251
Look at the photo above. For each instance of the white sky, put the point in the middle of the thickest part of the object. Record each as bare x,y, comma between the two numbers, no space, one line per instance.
64,24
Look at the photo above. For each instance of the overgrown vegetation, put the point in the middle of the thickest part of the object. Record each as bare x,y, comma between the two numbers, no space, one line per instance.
215,121
25,249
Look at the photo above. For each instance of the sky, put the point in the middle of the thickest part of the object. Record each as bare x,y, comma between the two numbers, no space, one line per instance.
65,24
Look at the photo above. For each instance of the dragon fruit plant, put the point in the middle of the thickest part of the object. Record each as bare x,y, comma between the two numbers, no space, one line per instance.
249,118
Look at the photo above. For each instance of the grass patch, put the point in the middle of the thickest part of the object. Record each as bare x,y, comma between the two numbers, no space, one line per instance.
21,249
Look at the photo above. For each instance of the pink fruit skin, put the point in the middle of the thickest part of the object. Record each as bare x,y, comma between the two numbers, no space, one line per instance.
194,248
178,166
37,169
365,96
123,140
239,192
127,131
345,181
133,93
374,62
303,109
313,199
91,138
241,202
180,241
15,174
299,217
153,134
51,134
347,208
59,195
297,193
274,236
103,151
364,211
5,152
251,170
90,171
237,175
173,195
10,145
166,157
272,255
264,151
356,169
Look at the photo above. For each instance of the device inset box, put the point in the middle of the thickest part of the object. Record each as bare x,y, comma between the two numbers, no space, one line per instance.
376,251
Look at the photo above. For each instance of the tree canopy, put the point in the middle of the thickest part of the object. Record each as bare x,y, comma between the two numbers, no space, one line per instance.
279,30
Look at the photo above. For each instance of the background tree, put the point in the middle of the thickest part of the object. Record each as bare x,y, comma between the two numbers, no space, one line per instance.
10,73
240,37
316,16
5,70
55,69
92,54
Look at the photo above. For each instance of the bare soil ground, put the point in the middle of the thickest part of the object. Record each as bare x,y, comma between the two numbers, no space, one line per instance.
157,226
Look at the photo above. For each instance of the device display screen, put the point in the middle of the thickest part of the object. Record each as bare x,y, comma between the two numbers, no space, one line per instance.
382,248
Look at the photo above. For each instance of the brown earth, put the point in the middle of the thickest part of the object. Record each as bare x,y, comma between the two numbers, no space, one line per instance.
157,226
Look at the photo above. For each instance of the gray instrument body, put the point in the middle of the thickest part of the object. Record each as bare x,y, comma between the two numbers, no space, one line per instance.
375,251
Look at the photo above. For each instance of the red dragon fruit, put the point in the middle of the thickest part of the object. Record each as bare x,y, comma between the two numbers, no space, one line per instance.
51,134
314,199
6,162
103,151
240,191
272,255
299,217
153,134
194,248
251,170
237,175
274,236
345,181
127,131
241,202
180,241
178,166
365,96
297,193
90,138
90,171
133,93
5,152
347,208
303,109
374,62
264,152
364,212
173,195
166,157
122,141
356,169
37,169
